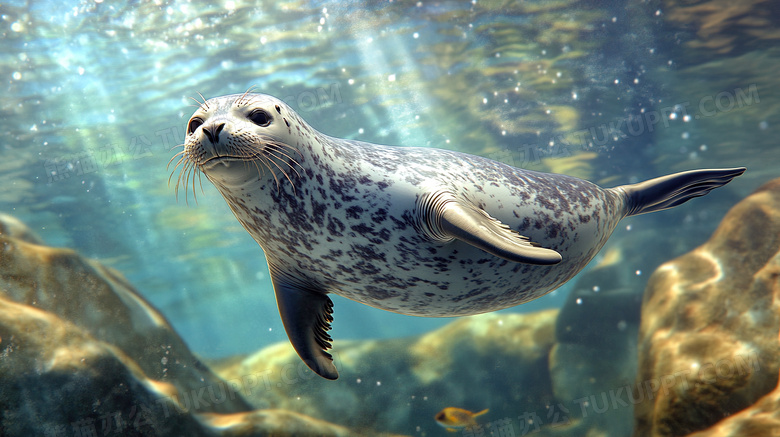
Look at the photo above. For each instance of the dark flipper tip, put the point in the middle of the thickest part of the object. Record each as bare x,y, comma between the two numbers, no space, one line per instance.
669,191
306,316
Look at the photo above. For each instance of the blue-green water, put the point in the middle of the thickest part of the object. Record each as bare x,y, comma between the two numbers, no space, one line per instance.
96,94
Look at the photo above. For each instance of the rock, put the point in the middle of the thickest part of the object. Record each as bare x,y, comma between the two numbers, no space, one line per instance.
280,423
708,343
58,380
495,361
12,227
760,419
99,301
82,353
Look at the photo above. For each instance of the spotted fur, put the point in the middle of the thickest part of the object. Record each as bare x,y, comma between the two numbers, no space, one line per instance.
348,219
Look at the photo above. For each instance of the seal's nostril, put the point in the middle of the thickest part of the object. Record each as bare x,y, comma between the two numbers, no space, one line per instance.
208,134
212,132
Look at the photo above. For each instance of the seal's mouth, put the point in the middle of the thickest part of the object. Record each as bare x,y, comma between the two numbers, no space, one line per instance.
266,154
195,159
217,160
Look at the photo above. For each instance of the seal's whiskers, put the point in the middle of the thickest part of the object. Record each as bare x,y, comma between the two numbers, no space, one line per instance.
265,161
240,100
279,152
205,103
287,176
200,105
248,155
177,163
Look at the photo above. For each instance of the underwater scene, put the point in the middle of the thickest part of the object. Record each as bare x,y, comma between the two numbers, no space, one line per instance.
493,275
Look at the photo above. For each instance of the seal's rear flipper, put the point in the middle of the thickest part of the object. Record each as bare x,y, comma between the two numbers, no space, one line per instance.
672,190
466,222
306,315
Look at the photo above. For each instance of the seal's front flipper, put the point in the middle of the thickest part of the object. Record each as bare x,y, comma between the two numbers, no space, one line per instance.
306,315
466,222
674,189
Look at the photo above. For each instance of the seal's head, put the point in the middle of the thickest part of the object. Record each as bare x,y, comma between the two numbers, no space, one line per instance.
235,139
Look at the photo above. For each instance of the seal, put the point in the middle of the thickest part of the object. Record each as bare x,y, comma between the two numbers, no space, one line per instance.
418,231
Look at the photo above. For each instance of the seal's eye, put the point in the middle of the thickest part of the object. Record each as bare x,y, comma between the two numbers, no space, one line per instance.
259,117
194,124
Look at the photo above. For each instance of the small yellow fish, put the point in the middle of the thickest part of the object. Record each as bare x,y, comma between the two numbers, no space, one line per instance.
457,418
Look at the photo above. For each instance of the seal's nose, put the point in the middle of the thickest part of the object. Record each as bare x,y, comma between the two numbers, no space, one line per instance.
212,132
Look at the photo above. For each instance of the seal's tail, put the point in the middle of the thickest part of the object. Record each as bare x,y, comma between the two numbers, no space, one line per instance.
672,190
